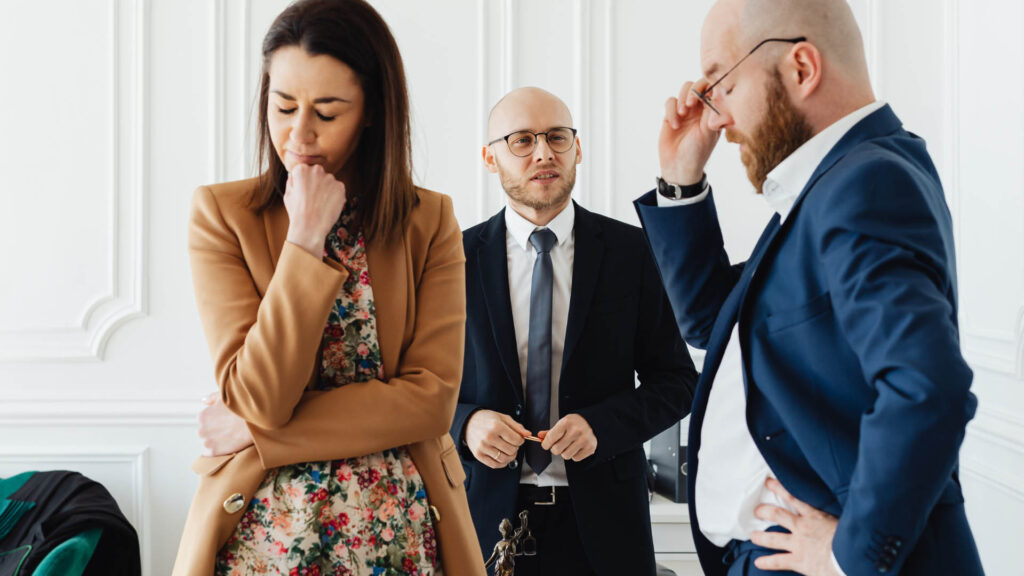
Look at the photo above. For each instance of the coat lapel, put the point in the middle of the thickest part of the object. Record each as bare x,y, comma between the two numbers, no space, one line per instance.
275,219
492,262
881,122
587,256
392,291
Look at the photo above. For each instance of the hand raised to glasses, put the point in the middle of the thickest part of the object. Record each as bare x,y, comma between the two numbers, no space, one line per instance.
686,139
314,200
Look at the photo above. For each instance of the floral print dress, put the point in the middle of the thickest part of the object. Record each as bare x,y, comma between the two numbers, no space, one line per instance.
366,515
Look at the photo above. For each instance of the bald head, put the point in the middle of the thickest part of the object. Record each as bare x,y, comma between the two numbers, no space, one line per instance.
527,108
827,24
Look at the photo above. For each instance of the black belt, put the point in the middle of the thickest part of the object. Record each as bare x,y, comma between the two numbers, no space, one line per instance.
543,495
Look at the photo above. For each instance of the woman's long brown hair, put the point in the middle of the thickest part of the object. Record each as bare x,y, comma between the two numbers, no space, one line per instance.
352,32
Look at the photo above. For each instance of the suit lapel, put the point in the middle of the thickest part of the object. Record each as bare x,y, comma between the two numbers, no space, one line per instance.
392,291
275,220
881,122
729,314
492,262
587,256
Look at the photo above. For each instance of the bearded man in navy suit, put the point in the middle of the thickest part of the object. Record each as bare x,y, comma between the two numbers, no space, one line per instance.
834,449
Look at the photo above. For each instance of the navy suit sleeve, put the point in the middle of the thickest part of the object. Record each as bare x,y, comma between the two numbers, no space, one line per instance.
687,245
626,420
886,248
467,403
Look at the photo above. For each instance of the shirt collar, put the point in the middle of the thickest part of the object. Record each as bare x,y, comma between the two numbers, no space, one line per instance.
520,228
785,182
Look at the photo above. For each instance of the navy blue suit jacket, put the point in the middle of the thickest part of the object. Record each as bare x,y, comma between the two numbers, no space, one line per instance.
857,393
620,326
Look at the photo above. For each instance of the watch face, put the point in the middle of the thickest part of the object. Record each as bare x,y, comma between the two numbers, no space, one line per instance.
665,189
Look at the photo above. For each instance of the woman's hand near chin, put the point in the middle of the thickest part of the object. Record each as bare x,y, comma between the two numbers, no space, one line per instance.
221,430
314,200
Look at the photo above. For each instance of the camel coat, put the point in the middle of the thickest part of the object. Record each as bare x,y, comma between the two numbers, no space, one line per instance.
264,302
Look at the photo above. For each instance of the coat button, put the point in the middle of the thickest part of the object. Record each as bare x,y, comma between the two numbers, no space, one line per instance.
518,410
234,503
513,465
435,513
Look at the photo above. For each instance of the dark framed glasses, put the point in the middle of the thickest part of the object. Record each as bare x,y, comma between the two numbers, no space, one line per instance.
703,96
523,142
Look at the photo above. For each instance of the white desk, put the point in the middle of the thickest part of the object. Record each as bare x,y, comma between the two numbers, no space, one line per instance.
673,544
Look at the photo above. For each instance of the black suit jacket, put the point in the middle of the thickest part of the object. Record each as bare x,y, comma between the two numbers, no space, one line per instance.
620,324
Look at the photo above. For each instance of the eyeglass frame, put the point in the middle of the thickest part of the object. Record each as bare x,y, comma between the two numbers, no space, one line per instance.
536,139
703,95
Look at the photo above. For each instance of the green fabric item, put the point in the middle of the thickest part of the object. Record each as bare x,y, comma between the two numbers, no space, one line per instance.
11,512
11,485
19,554
71,557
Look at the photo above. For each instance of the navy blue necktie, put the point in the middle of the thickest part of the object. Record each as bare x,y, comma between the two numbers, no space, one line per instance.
538,356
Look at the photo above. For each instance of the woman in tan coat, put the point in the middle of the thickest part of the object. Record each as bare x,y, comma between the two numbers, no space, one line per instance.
332,294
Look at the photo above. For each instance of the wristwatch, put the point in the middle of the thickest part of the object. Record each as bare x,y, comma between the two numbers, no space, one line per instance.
677,192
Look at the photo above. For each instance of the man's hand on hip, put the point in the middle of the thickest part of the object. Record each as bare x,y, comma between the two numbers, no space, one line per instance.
494,438
807,549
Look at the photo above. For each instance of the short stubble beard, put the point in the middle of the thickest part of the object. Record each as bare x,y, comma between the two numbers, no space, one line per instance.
518,191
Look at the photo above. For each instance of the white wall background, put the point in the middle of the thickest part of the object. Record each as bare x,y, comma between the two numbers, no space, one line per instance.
113,111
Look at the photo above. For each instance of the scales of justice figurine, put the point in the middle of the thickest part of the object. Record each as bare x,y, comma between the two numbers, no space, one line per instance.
512,544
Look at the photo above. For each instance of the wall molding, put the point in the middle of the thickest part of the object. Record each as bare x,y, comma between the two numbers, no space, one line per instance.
991,476
581,100
951,103
497,70
59,408
998,351
1001,428
85,339
136,457
609,108
231,142
996,436
483,105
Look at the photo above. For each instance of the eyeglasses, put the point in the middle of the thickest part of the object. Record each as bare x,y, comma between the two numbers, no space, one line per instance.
523,143
704,95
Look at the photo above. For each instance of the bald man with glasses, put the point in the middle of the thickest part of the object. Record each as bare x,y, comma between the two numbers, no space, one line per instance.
834,398
565,312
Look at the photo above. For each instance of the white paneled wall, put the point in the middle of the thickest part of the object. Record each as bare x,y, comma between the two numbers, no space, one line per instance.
113,111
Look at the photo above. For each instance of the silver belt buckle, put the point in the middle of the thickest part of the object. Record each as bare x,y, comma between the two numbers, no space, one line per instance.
548,503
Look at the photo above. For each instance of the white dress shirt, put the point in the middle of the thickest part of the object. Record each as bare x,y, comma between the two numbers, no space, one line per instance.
732,472
521,256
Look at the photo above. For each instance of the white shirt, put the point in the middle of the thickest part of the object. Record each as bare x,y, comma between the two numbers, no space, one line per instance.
732,472
521,256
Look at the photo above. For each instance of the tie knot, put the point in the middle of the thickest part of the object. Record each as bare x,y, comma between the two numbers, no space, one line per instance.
543,240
